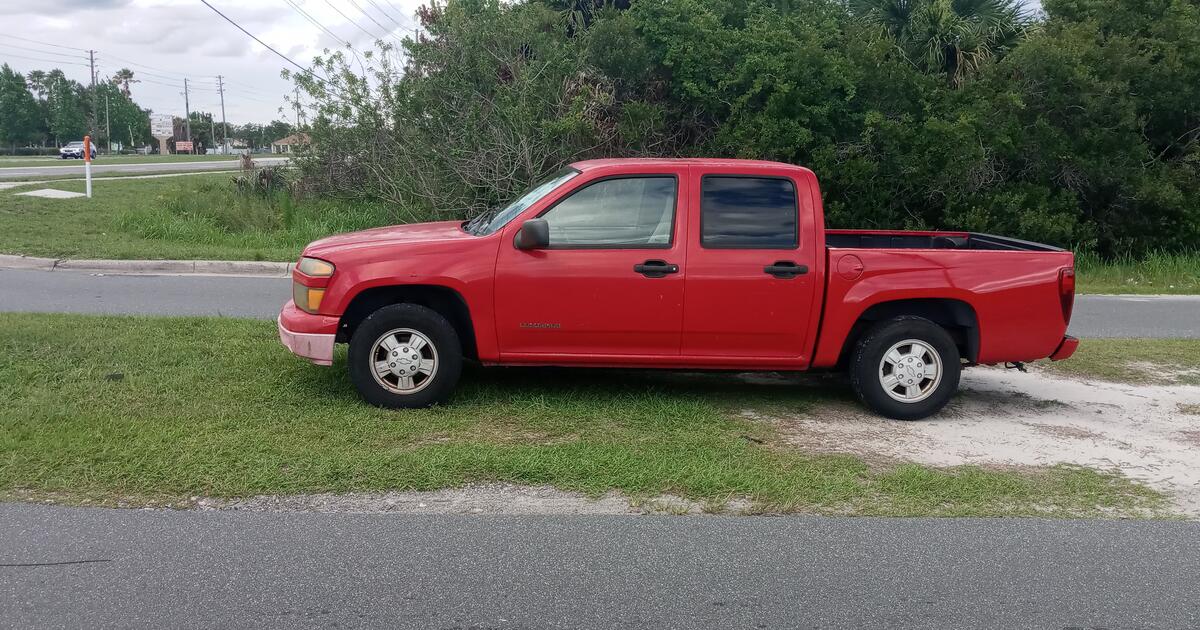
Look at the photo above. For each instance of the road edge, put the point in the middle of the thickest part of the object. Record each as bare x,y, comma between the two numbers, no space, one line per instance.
254,268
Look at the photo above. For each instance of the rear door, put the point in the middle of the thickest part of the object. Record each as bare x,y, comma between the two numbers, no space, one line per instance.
611,282
751,285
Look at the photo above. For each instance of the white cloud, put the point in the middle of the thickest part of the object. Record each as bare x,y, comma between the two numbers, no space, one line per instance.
163,41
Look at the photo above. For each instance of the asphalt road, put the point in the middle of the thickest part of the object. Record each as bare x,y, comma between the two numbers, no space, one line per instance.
74,292
75,167
81,567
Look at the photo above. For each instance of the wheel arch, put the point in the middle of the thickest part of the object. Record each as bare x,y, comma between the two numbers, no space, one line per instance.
445,300
956,316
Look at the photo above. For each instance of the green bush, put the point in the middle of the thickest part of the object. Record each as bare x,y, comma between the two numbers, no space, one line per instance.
1079,127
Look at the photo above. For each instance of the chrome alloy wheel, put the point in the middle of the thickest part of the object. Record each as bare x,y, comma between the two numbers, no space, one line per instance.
405,361
910,371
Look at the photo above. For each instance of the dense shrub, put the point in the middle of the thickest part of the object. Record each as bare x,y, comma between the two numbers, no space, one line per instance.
1079,127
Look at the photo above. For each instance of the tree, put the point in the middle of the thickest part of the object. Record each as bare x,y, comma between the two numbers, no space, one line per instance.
129,124
18,109
124,78
950,37
65,99
276,130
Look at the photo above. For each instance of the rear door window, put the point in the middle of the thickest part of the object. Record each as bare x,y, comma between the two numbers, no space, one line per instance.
748,213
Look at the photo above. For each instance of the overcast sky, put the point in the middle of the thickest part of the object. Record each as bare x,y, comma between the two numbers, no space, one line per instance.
163,41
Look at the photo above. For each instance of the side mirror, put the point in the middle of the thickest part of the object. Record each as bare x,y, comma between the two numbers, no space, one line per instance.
534,234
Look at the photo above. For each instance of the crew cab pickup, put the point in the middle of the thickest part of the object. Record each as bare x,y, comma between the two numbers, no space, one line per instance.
690,264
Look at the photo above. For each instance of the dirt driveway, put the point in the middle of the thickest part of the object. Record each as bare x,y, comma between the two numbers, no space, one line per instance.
1004,417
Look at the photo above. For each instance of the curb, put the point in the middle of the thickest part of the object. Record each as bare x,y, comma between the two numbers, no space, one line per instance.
152,267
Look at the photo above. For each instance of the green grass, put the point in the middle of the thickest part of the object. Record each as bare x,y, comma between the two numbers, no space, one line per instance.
1174,273
107,408
187,217
7,162
1138,361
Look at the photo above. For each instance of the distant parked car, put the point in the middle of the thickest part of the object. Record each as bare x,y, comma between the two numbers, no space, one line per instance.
74,150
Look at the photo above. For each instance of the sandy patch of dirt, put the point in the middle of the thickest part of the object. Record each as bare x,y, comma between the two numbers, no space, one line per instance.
1005,418
491,498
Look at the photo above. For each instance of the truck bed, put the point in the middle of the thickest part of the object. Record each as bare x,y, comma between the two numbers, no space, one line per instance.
895,239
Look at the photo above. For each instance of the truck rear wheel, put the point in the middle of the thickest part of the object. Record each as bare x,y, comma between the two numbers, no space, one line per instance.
906,368
405,356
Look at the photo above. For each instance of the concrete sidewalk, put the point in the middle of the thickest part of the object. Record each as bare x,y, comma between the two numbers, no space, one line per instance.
154,267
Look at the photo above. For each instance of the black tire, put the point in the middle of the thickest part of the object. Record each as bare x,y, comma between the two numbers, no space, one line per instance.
429,323
867,369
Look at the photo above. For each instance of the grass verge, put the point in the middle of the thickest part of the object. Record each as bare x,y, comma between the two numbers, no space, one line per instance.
188,217
106,407
1138,361
1166,273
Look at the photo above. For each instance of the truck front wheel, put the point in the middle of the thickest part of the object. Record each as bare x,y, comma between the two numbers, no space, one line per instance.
405,356
906,368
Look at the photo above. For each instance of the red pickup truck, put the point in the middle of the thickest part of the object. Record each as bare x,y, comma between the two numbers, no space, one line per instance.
693,264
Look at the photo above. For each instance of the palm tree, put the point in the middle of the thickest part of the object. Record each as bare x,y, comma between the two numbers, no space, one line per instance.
123,78
952,37
38,83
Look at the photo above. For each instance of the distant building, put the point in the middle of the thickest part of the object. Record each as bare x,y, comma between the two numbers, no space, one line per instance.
288,144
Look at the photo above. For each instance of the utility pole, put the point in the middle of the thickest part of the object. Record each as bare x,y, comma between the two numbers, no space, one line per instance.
224,125
107,125
92,66
187,111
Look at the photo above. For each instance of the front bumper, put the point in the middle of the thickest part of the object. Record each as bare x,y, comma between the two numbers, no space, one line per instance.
306,335
1065,349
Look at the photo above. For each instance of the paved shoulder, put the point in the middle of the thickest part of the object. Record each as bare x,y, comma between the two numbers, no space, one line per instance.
71,567
77,292
1136,316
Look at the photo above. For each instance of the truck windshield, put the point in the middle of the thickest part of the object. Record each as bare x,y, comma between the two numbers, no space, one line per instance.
491,221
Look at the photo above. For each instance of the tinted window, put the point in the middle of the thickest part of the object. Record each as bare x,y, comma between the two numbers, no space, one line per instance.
626,212
748,212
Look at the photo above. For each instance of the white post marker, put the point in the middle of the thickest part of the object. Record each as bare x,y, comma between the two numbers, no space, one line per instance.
87,164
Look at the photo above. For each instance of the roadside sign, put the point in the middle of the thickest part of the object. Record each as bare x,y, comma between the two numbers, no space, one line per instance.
183,145
162,125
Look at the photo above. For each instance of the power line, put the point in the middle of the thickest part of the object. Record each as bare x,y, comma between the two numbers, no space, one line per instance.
251,36
153,82
314,22
43,52
401,13
53,61
347,18
34,41
161,74
387,31
389,16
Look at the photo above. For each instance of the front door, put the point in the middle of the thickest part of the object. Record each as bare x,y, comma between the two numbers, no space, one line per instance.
611,282
751,283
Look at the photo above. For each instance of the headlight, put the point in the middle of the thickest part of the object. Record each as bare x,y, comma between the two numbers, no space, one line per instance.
307,299
315,267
